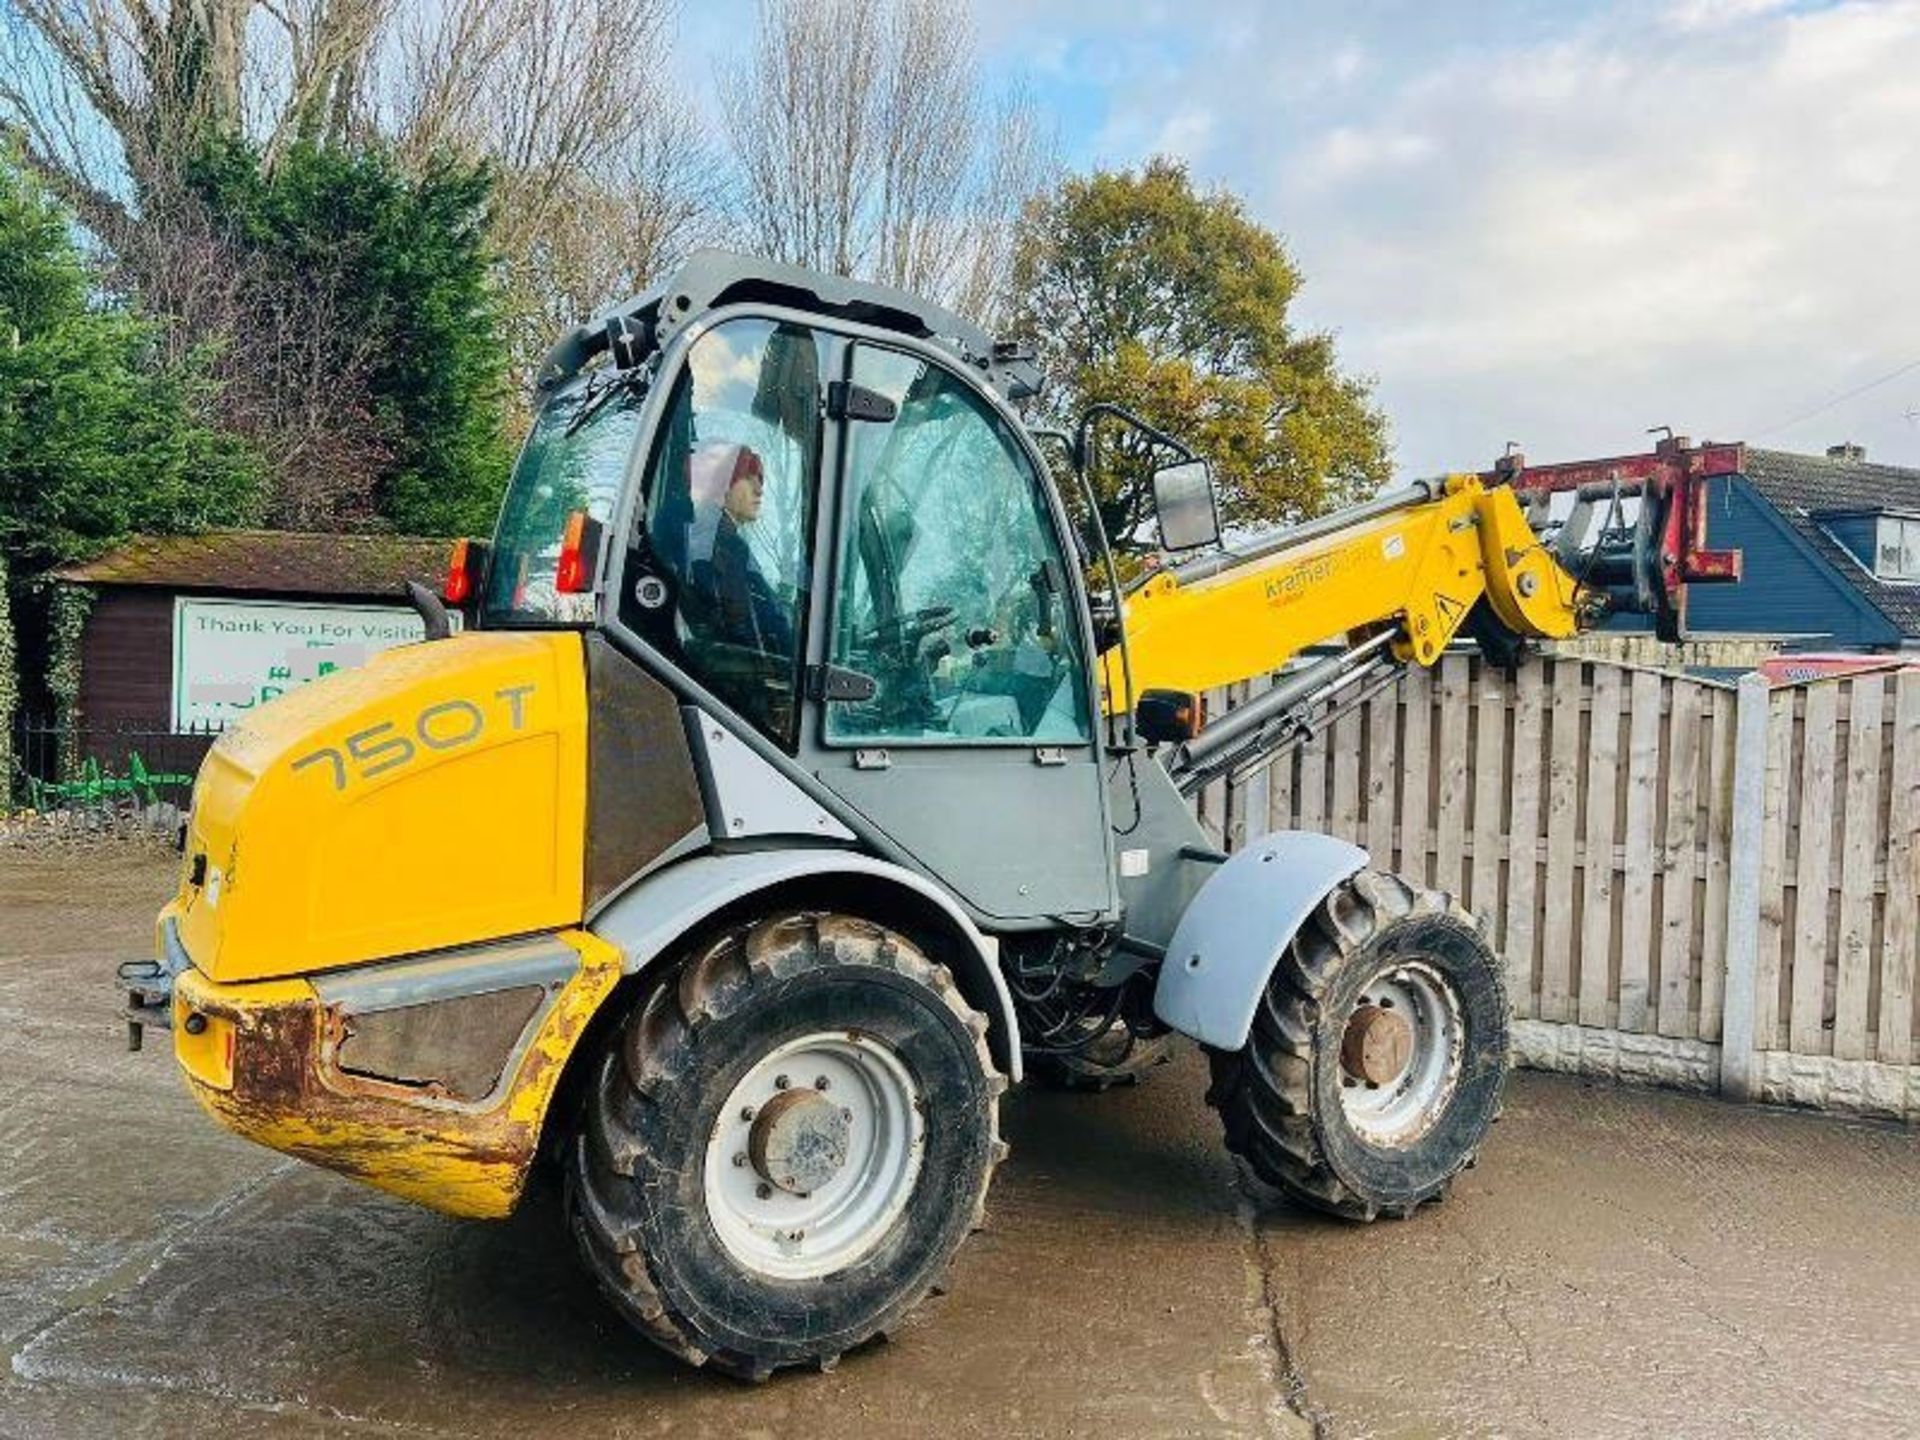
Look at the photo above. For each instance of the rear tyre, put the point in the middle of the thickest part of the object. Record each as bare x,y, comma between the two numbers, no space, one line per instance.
785,1145
1377,1054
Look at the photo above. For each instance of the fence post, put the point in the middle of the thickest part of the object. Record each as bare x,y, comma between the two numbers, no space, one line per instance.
1739,1072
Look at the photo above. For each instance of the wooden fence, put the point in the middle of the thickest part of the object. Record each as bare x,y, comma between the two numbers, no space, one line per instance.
1695,883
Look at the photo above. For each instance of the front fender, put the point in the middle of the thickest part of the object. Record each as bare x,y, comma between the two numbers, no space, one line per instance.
1231,934
646,920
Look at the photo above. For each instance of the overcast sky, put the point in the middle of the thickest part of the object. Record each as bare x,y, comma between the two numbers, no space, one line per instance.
1547,222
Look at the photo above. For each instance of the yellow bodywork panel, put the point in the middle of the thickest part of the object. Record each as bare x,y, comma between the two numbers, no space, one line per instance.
264,1063
1423,568
434,797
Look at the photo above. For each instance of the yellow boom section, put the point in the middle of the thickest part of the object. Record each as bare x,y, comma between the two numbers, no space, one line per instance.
1421,566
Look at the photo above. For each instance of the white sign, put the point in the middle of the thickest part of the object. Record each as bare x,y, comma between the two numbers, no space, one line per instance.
232,656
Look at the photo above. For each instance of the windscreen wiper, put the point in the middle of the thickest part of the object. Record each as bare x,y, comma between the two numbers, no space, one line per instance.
598,396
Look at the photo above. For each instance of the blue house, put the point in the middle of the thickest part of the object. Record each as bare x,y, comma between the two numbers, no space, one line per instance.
1832,547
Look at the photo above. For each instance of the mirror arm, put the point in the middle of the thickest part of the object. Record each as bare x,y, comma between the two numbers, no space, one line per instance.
1120,412
1066,442
1119,614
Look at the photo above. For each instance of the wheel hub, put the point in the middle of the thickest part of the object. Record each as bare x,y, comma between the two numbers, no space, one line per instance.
1376,1046
814,1154
799,1141
1401,1053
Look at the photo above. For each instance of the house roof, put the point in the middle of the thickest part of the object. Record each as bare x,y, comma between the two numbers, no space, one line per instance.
268,561
1803,486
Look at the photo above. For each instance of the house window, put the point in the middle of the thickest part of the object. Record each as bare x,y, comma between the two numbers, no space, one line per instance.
1897,555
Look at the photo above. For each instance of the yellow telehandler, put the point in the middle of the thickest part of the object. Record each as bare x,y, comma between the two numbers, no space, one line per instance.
790,789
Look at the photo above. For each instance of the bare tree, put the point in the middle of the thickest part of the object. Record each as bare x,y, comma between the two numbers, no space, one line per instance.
292,375
600,176
799,114
865,142
608,235
1019,163
110,98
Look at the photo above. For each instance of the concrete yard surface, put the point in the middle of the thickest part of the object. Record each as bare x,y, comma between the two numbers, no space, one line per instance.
1620,1263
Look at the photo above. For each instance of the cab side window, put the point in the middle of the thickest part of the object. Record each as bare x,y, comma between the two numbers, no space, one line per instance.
953,592
722,566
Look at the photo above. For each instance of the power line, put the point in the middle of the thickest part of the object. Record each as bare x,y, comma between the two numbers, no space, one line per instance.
1825,406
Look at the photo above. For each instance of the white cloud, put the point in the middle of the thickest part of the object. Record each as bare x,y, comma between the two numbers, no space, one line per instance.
1551,220
1347,154
1348,64
1187,131
1608,232
1692,16
1566,228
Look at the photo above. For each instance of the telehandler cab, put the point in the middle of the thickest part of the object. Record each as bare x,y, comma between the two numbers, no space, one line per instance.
790,789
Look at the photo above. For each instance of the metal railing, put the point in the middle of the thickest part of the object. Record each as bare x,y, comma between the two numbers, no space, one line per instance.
56,765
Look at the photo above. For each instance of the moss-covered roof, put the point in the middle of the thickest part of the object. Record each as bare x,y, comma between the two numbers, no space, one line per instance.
268,561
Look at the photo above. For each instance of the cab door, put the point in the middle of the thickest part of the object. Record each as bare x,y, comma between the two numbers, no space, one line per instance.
955,707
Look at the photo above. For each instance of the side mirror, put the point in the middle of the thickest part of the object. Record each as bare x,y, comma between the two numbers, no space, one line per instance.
1183,498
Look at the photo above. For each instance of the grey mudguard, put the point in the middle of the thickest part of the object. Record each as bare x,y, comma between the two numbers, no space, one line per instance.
1231,936
649,917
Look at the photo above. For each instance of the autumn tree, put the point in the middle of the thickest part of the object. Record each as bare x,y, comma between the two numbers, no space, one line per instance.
866,143
1139,290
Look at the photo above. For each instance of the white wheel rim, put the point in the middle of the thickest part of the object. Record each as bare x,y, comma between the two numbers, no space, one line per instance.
796,1236
1398,1112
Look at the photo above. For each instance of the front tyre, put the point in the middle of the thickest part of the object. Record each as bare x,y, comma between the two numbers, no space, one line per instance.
1377,1054
786,1145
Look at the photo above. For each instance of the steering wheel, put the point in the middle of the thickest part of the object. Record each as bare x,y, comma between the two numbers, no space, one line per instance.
905,632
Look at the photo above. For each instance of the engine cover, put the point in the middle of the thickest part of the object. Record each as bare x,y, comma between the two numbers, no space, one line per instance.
433,797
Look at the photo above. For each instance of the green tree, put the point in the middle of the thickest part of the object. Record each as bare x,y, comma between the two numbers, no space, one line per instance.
398,264
100,436
1140,291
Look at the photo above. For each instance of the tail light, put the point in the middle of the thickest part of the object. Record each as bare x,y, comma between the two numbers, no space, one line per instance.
463,571
579,553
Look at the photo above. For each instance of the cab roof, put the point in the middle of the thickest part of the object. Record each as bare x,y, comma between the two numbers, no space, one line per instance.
709,279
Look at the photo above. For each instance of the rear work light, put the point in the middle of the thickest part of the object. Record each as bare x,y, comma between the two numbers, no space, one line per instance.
1170,717
579,552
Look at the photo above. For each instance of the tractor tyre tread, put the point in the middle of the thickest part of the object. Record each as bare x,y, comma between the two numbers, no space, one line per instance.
1264,1092
651,1066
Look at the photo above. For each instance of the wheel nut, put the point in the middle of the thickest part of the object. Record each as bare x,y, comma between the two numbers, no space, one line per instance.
781,1082
763,1191
740,1160
747,1113
820,1082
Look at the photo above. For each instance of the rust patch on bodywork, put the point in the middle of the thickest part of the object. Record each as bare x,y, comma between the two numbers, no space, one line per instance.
290,1092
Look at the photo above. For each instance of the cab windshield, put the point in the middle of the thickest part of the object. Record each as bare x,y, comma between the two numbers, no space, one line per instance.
575,460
